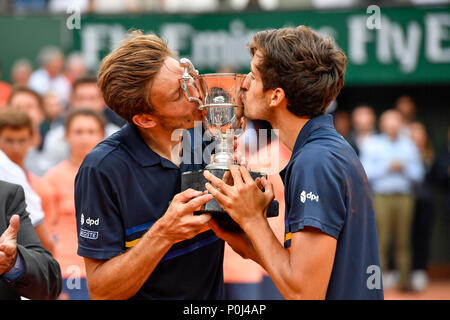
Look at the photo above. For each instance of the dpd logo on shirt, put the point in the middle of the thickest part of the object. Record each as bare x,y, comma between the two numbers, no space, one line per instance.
311,196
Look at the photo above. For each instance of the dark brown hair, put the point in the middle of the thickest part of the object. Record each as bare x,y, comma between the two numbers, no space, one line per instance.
309,68
85,112
18,90
126,74
15,119
84,80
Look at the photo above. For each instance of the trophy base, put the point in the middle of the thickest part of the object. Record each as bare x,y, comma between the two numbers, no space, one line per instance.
196,181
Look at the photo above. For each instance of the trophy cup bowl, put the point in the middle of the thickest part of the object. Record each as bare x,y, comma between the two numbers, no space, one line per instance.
219,96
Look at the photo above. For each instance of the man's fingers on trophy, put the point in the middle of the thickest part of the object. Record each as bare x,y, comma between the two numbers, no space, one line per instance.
246,175
222,199
237,178
202,219
187,195
259,183
216,182
196,203
268,187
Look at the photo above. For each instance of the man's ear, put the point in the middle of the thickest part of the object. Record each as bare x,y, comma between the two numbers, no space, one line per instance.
277,98
145,121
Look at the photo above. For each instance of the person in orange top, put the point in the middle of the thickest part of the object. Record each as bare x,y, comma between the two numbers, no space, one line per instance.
271,159
16,136
245,279
84,130
5,90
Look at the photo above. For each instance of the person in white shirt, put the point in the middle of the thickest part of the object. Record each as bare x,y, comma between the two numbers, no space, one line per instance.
12,173
49,77
85,95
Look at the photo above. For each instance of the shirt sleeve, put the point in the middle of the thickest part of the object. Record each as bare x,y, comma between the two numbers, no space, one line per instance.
16,271
99,223
316,196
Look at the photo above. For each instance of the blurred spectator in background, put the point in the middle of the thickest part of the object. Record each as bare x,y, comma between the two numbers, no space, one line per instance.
194,6
440,174
85,95
118,6
321,4
393,164
75,67
5,90
53,109
407,107
16,132
61,6
24,6
363,124
342,123
271,159
30,102
85,128
21,72
49,76
424,210
343,126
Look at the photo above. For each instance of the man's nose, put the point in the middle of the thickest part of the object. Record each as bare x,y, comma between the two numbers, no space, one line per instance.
246,83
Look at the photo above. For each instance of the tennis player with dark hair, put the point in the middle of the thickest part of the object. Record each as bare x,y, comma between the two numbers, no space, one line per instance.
330,249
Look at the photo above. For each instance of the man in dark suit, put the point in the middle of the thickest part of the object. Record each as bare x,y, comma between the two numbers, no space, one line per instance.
26,268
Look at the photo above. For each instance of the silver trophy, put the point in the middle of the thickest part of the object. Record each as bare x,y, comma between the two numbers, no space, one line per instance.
219,96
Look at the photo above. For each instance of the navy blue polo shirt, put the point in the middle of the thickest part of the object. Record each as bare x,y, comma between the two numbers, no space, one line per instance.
121,190
326,188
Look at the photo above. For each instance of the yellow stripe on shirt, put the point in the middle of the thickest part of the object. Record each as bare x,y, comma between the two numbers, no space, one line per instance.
129,244
288,236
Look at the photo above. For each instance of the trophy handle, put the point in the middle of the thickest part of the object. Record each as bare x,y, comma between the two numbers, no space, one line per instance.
189,73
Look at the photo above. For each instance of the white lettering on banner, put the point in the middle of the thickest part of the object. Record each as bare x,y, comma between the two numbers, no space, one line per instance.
438,30
400,43
392,42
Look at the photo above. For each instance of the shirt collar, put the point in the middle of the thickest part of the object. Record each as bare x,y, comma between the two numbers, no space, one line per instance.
131,139
324,120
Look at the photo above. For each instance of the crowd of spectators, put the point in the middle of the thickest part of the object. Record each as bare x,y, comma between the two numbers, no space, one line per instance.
402,168
50,118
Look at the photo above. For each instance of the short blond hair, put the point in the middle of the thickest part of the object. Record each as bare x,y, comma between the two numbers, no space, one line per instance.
127,73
